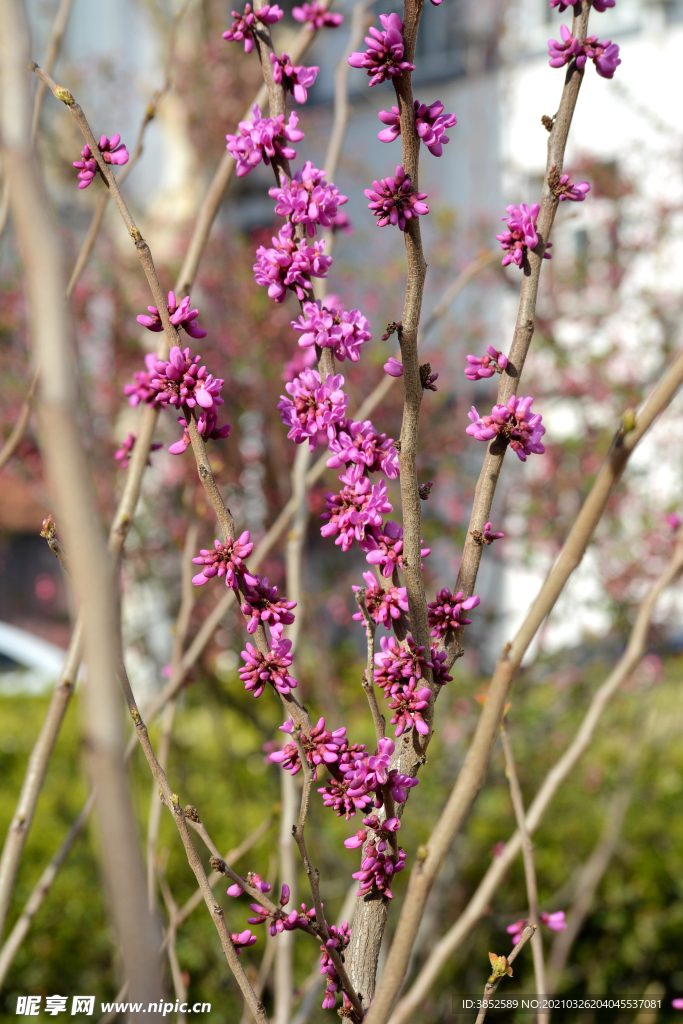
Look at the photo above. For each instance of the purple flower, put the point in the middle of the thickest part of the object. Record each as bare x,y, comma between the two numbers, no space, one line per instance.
393,201
270,668
181,381
180,315
448,611
113,152
510,423
339,940
263,138
479,368
384,56
383,605
408,705
395,664
242,939
393,367
313,408
521,234
261,605
488,536
677,1004
359,442
142,390
226,560
430,124
122,456
207,426
316,15
335,794
377,869
384,546
564,188
555,921
253,879
344,332
321,747
439,667
356,507
308,199
602,5
605,55
296,79
515,930
290,264
242,27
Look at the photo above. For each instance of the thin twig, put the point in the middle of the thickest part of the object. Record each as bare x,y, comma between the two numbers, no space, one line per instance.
477,905
369,674
19,429
529,868
501,968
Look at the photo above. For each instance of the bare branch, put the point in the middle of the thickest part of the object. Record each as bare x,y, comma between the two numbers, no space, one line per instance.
19,429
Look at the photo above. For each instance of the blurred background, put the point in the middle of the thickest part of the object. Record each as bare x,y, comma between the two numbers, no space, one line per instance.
609,322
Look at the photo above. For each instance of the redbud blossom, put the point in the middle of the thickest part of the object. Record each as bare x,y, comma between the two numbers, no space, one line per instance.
481,367
314,408
521,234
263,138
509,423
359,442
290,265
358,506
262,604
113,152
242,27
383,605
605,55
261,669
316,15
122,456
308,199
384,56
226,560
448,611
394,201
345,332
242,939
179,314
488,536
296,79
430,124
393,367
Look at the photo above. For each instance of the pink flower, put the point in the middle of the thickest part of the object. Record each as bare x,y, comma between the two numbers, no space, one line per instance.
314,408
448,611
605,55
408,705
321,747
521,234
262,604
296,79
180,315
480,367
242,939
384,546
564,51
398,666
207,426
315,14
290,265
377,869
358,506
677,1004
515,930
555,921
393,201
308,199
430,124
261,669
181,381
263,138
488,536
113,152
253,879
510,423
384,56
393,367
226,560
142,390
674,520
242,27
122,456
383,605
359,442
344,332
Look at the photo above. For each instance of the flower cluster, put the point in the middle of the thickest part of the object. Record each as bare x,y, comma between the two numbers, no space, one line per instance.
598,5
262,604
180,381
382,605
430,124
510,423
113,152
384,546
122,456
397,666
339,940
308,199
179,314
448,611
488,536
345,332
384,56
358,506
321,746
371,773
605,55
316,15
263,138
358,442
226,560
378,868
289,265
242,28
408,705
294,78
564,188
314,408
480,367
394,201
521,233
272,667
